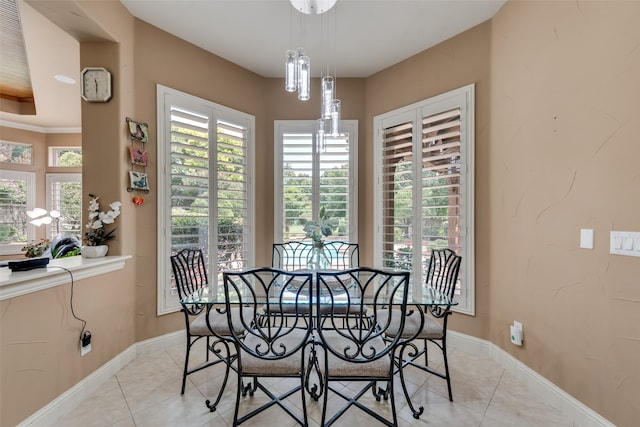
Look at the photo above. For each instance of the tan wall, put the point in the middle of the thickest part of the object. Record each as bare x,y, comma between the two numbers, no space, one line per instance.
40,339
30,381
201,74
556,119
556,149
563,155
460,61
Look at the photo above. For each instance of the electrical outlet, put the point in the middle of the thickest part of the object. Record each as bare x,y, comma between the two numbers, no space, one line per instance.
85,343
516,333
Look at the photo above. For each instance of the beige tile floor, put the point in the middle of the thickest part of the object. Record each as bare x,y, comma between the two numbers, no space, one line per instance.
147,393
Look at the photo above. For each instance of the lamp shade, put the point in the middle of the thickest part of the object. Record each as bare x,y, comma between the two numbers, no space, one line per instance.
304,78
328,94
291,67
320,135
335,117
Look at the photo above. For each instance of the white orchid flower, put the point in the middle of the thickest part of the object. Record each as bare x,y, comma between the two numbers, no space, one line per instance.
94,205
106,218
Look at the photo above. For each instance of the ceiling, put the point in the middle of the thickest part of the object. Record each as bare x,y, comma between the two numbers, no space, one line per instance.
356,38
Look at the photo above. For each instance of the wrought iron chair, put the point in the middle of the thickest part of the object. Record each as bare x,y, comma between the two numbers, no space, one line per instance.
273,344
357,350
430,324
190,274
296,255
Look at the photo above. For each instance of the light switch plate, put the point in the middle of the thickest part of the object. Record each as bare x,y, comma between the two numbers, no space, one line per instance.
586,238
625,243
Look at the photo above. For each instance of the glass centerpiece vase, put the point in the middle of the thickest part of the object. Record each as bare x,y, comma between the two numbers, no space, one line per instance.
318,259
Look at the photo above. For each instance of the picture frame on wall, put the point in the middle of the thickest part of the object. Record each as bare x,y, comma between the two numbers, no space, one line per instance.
138,156
138,180
138,130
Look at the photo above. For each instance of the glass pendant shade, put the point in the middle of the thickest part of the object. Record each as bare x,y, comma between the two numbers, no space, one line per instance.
328,94
320,134
335,117
304,78
291,67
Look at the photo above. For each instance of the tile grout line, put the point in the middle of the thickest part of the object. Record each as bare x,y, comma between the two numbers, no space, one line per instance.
495,389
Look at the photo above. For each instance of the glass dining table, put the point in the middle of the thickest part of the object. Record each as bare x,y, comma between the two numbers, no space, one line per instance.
286,297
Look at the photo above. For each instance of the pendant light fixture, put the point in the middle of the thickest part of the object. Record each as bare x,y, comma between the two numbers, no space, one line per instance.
328,94
298,77
304,76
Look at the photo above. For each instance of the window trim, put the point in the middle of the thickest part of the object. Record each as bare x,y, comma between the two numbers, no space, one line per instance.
24,144
165,96
30,178
282,126
53,157
464,98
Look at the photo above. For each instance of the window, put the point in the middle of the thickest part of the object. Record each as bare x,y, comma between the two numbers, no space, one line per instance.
205,189
424,187
308,177
65,157
64,194
15,152
17,196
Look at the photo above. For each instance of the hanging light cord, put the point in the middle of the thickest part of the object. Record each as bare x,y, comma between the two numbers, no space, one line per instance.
73,313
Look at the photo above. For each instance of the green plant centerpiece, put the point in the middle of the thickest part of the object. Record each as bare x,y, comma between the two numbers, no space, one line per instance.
97,234
317,231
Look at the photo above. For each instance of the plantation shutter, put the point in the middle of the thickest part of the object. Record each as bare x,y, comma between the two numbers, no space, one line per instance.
205,188
17,195
297,183
424,187
64,194
441,181
232,196
189,180
310,176
397,196
334,178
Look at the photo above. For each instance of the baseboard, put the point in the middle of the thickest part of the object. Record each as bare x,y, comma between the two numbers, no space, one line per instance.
162,342
581,414
570,406
70,399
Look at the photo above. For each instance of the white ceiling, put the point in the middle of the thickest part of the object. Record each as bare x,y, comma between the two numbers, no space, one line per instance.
356,38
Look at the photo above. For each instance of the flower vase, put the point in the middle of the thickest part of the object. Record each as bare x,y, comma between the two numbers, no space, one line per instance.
94,251
318,259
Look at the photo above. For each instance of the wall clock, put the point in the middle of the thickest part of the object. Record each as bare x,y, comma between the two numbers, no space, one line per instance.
96,84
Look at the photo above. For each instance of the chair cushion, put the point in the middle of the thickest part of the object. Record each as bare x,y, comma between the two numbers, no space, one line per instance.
431,329
339,367
286,308
324,308
218,323
354,309
269,364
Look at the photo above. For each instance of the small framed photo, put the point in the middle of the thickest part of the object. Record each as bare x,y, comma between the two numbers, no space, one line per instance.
138,156
138,180
137,130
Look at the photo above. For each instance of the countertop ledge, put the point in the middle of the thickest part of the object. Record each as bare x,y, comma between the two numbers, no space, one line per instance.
13,284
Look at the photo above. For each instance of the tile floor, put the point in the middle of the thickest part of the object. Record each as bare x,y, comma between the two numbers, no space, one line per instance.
147,393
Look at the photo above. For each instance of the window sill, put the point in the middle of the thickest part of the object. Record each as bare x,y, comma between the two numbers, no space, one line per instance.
13,284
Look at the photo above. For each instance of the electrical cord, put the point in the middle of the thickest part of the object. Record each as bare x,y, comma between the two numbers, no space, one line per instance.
73,313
